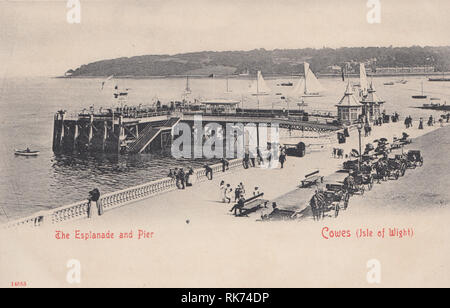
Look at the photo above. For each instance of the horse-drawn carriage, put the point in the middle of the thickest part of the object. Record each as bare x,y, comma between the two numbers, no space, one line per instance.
414,159
400,142
352,164
383,147
337,194
395,168
363,180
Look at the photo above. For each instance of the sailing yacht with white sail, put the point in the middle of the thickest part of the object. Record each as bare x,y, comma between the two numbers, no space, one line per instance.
187,90
363,83
309,85
259,87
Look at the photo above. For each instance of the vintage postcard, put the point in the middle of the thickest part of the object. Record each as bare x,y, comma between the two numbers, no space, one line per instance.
224,144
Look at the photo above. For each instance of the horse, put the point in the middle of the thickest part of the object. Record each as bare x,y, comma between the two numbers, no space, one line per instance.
381,169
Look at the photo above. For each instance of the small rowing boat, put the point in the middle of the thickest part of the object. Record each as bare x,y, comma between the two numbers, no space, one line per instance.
26,152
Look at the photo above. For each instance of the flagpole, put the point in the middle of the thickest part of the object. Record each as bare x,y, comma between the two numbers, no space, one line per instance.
257,89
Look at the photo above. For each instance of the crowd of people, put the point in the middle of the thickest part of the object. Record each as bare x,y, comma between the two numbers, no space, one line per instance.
182,177
237,195
258,160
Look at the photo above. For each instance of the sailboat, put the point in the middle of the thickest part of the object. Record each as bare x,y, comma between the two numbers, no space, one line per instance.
309,85
187,90
420,96
228,87
363,83
259,87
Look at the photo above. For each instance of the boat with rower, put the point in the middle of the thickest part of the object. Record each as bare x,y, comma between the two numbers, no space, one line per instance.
26,152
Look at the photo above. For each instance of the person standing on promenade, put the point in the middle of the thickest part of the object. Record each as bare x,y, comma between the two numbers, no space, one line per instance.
188,177
421,123
282,158
182,178
237,193
253,161
246,161
176,177
209,172
242,188
94,197
225,165
222,188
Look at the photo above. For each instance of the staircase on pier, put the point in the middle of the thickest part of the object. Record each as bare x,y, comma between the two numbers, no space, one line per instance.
150,133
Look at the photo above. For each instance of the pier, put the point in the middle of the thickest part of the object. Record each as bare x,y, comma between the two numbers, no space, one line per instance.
137,130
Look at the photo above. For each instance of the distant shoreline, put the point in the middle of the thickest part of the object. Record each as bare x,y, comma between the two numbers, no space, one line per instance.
267,76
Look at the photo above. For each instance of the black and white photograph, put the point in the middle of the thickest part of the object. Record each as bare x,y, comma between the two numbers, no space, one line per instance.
227,145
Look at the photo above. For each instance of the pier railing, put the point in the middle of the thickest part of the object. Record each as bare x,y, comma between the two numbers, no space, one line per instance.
109,201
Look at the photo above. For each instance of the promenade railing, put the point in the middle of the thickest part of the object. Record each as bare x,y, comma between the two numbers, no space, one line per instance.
109,201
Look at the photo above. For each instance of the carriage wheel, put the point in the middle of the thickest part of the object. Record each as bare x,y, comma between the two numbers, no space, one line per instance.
421,163
370,186
346,201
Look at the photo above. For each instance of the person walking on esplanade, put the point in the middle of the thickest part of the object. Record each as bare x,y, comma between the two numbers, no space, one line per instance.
318,203
227,193
222,188
421,123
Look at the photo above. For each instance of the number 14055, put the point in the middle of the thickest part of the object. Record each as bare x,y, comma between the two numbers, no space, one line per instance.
18,284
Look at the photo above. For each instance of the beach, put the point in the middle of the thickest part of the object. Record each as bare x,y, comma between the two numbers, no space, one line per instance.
196,242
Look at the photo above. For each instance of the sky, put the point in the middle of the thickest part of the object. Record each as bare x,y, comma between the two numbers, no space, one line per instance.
37,40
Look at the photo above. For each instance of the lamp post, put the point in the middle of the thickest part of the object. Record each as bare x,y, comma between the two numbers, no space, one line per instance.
360,126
